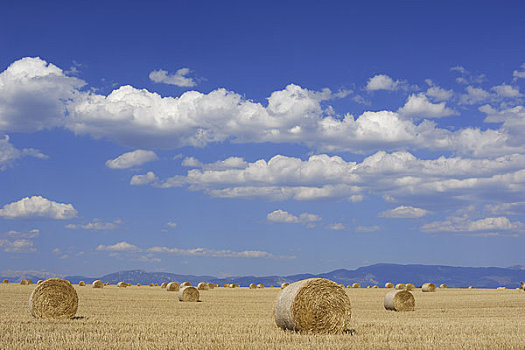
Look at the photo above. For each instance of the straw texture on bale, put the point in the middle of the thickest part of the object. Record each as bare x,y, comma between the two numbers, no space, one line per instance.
203,286
410,286
122,285
284,285
172,287
253,286
53,298
399,300
81,283
389,285
443,286
185,284
401,286
314,305
428,287
23,282
98,284
5,281
356,285
260,285
189,294
163,285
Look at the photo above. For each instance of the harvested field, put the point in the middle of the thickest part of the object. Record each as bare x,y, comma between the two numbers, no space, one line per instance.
240,319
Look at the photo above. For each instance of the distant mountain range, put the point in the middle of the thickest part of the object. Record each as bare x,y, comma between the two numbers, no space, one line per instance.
454,277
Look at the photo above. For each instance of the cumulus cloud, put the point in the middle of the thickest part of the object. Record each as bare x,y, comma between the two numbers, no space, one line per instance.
404,212
179,78
505,90
171,224
418,106
228,163
119,247
382,82
463,224
437,93
9,153
281,216
519,73
17,246
148,178
367,228
131,159
97,225
38,207
22,234
337,226
474,96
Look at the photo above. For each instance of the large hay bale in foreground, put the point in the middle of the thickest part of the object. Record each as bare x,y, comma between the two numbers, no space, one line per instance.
410,286
163,285
98,284
253,286
189,293
185,284
400,286
23,282
260,285
389,285
81,283
428,287
122,284
172,287
203,286
443,286
314,305
284,285
399,300
53,298
356,285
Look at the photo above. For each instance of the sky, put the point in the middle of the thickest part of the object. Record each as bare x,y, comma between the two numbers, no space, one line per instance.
260,138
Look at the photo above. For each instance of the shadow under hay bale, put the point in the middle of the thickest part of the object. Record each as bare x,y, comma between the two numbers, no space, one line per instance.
314,305
189,294
399,300
54,298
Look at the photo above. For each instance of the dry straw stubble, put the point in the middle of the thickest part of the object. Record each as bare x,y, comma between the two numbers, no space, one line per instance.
189,294
399,300
314,305
53,298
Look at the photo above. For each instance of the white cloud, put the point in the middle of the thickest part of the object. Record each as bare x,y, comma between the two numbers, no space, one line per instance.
404,212
281,216
131,159
474,96
519,74
367,228
419,106
505,90
465,225
38,207
9,153
171,224
228,163
439,94
148,178
337,226
97,225
25,235
179,78
17,246
382,82
119,247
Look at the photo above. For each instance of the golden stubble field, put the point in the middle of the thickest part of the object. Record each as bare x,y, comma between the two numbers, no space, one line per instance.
152,318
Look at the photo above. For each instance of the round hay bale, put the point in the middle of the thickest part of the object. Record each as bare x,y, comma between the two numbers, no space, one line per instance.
226,285
98,284
368,286
399,300
356,285
443,286
253,286
389,285
189,293
156,284
375,286
471,287
163,285
5,281
122,284
138,284
81,283
29,281
53,298
342,286
284,285
410,286
23,282
39,281
233,285
152,285
186,284
211,285
203,286
106,284
428,287
314,305
401,286
172,287
501,288
260,285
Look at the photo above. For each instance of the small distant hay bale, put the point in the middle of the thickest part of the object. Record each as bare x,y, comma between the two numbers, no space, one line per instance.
356,285
443,286
260,285
314,305
5,281
156,284
471,287
233,285
389,285
97,284
253,286
39,281
375,286
368,286
226,285
401,286
81,283
203,286
189,294
211,285
122,284
284,285
29,281
152,285
428,287
139,284
172,287
24,282
163,285
186,284
53,298
410,286
399,300
501,288
107,284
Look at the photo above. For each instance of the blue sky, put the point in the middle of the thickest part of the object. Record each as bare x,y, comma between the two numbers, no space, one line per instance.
236,138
